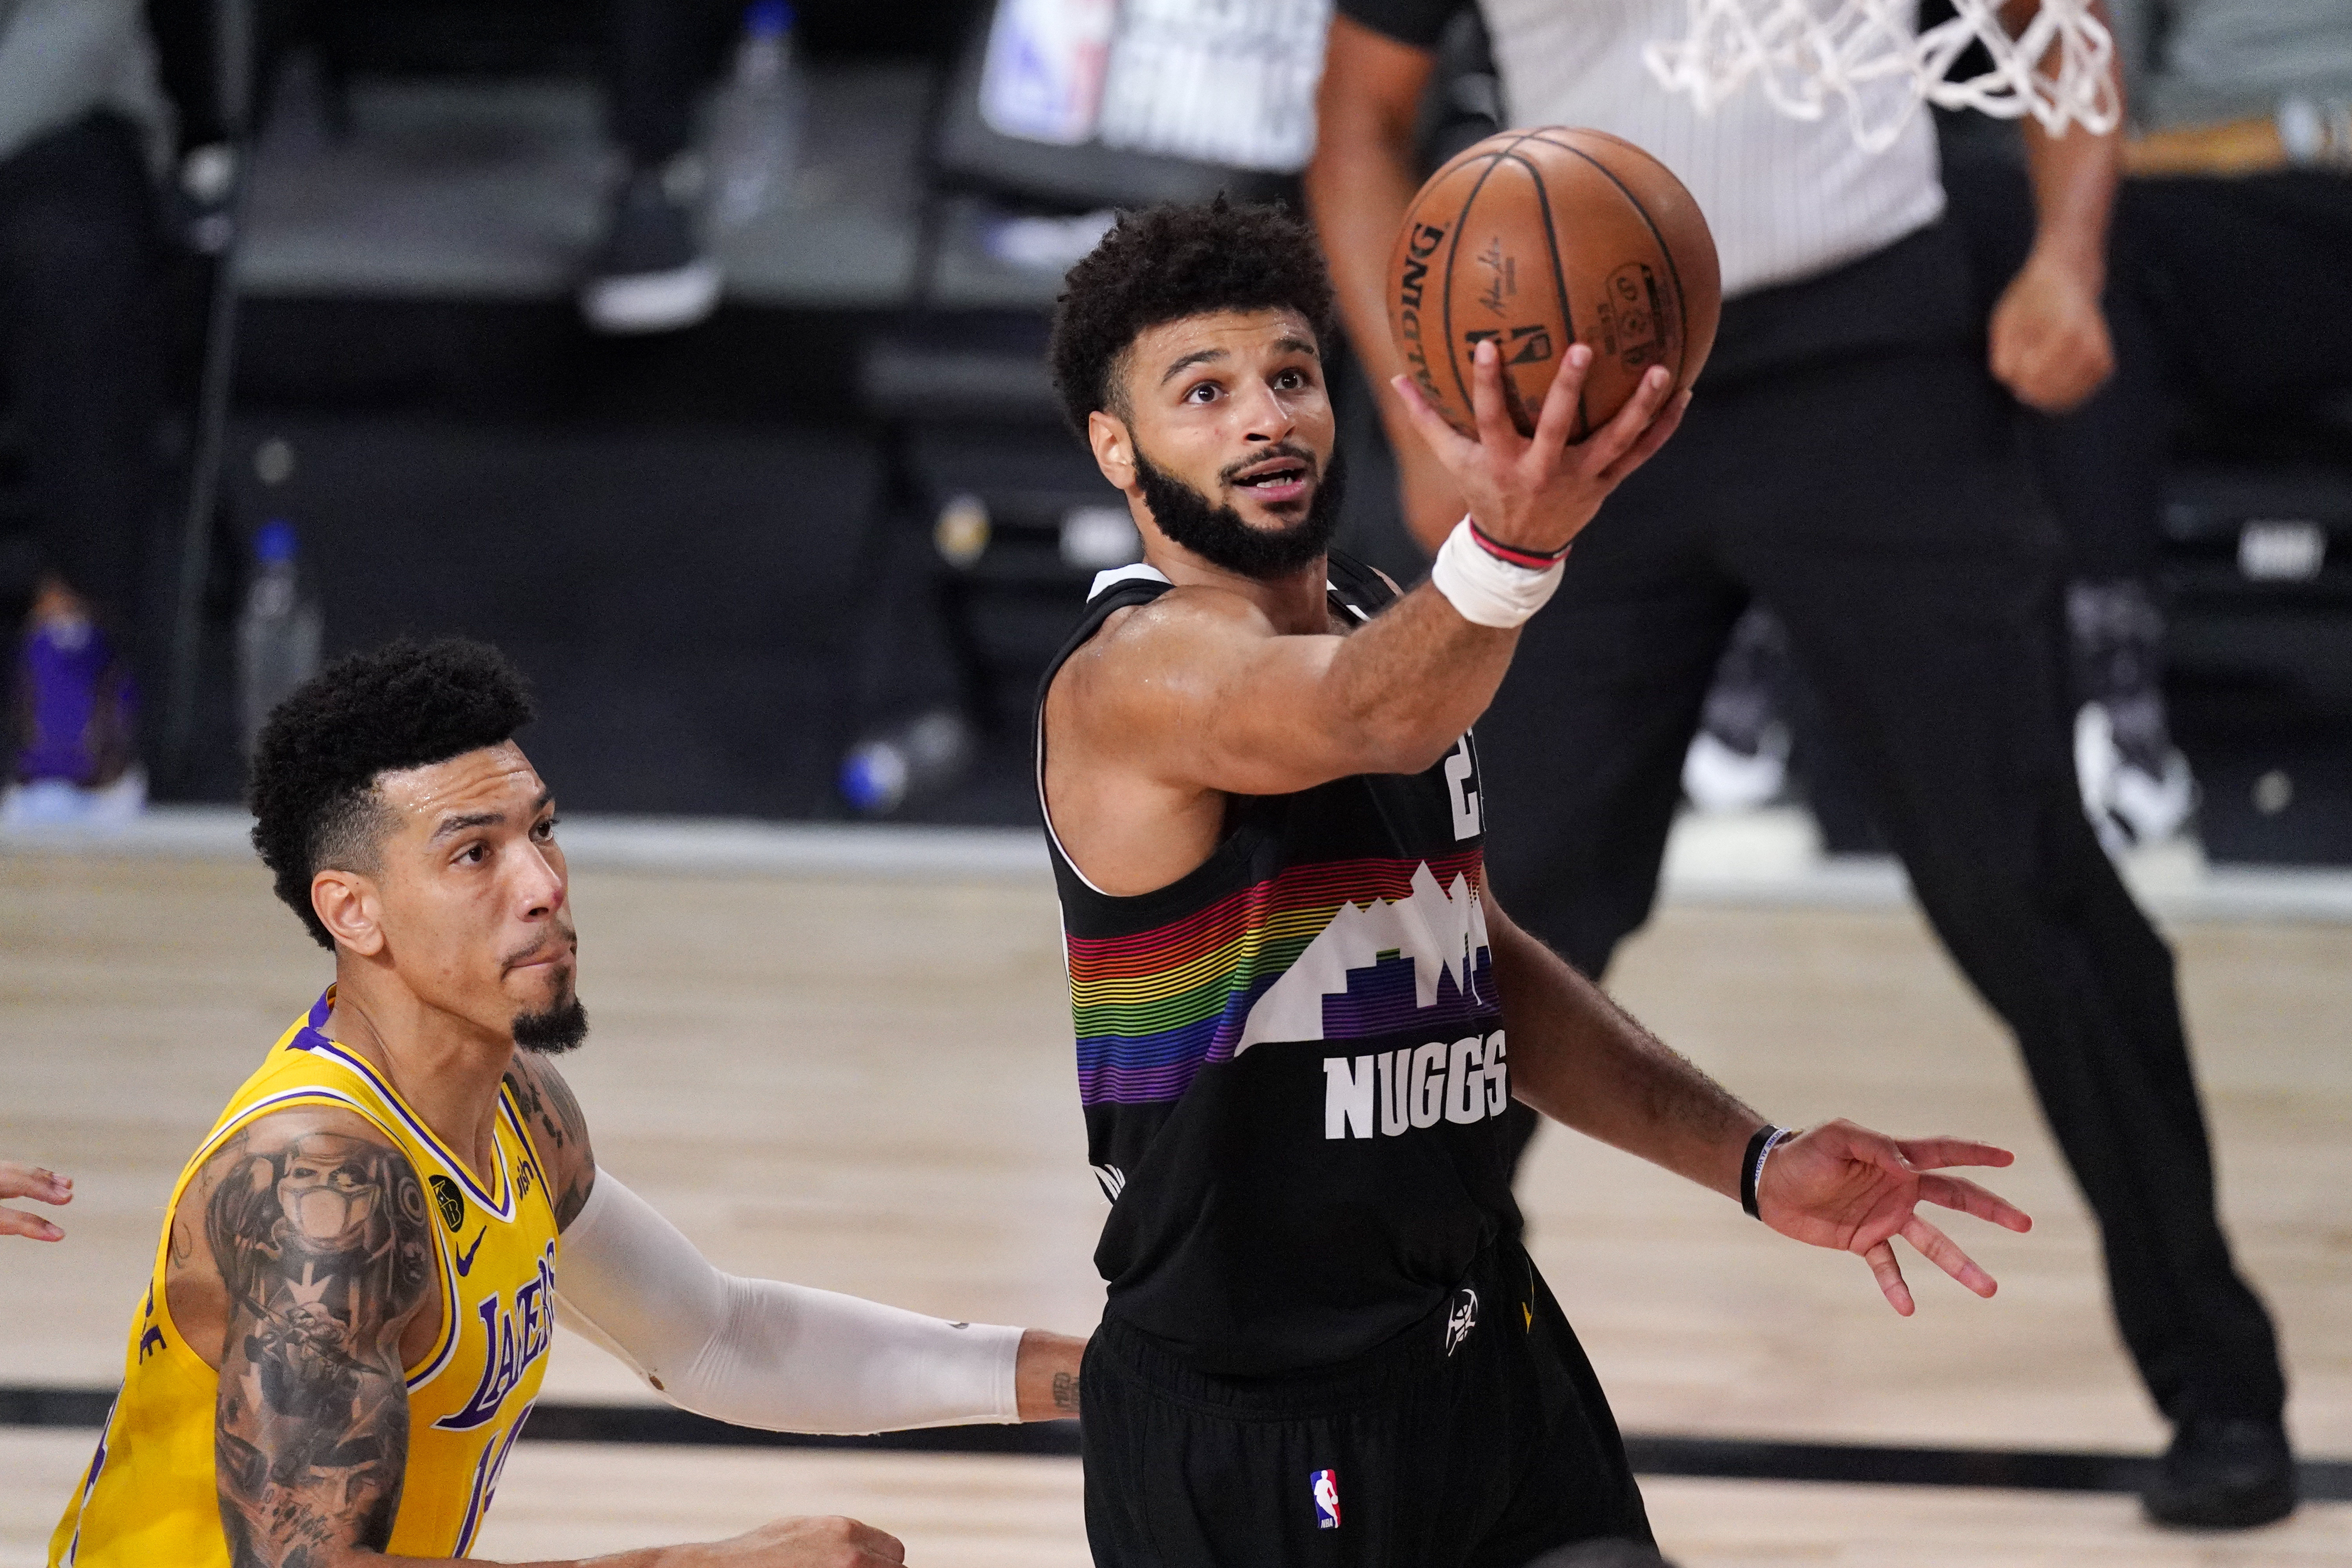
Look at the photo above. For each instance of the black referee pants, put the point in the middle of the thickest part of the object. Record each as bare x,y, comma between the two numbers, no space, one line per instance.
1855,468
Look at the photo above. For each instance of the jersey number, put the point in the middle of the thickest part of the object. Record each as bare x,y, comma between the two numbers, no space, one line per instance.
1461,793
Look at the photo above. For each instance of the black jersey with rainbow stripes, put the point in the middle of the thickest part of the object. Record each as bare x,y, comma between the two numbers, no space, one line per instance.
1292,1058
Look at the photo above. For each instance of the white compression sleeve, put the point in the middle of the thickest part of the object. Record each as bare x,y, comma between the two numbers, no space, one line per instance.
761,1354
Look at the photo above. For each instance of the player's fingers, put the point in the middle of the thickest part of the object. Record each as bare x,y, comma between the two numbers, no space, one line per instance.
14,1223
1881,1260
1487,403
1938,1154
1944,1253
1663,426
1852,1140
1448,445
1624,428
1559,405
1959,1193
21,1181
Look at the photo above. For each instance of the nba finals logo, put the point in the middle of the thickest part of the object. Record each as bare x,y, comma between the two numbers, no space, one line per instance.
1324,1486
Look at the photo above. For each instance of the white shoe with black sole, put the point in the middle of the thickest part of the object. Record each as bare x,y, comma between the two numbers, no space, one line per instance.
651,274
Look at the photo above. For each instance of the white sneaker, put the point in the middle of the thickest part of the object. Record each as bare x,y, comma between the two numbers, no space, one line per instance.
652,273
1718,779
2155,809
2127,803
662,301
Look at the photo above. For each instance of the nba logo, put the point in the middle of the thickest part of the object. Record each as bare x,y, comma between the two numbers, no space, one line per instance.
1324,1486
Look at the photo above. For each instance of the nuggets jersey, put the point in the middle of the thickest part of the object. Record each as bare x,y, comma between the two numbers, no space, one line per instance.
148,1495
1292,1058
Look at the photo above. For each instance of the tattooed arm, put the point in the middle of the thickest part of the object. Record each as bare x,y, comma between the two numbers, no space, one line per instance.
306,1244
317,1229
559,1134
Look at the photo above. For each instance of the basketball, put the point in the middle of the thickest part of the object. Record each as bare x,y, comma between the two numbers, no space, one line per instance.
1541,239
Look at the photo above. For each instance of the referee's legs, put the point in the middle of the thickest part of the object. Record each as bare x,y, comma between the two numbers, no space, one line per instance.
1939,665
1580,755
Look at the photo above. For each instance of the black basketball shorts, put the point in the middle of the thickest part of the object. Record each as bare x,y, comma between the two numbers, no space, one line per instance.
1480,1438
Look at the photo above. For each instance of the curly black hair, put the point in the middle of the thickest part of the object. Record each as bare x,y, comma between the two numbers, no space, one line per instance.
404,705
1166,262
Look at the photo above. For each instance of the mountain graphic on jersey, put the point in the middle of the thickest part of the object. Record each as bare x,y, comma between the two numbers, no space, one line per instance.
1385,967
1335,950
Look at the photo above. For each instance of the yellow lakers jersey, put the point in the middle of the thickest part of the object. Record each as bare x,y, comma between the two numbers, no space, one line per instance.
148,1495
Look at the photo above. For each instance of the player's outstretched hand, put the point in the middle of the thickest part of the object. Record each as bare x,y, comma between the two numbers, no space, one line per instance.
808,1543
1536,492
32,1182
1846,1188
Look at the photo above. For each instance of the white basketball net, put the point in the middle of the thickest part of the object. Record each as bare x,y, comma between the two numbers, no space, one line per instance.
1809,55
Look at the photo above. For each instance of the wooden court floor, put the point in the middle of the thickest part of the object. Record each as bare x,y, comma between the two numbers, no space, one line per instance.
868,1086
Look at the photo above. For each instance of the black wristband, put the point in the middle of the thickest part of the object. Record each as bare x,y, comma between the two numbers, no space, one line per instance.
1751,1165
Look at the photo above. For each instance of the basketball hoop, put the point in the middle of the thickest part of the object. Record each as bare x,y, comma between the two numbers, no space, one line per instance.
1807,58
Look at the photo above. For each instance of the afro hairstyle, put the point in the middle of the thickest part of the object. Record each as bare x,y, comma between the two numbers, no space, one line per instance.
404,705
1164,263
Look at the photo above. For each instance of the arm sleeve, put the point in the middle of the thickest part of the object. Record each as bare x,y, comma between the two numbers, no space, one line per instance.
757,1352
1420,23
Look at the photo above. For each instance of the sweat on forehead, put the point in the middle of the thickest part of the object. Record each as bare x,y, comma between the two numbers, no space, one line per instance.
488,778
385,711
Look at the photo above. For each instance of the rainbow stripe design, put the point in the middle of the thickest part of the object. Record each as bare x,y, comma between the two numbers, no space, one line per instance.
1154,1008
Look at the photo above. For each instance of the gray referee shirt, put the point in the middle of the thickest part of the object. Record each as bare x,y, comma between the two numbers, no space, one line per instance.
2194,62
1786,198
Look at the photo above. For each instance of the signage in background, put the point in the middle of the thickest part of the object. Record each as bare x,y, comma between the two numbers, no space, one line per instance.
1044,78
1216,81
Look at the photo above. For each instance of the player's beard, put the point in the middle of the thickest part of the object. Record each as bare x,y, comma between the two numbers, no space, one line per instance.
1217,533
554,1030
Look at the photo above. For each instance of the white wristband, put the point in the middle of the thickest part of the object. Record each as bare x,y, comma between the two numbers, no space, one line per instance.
1485,590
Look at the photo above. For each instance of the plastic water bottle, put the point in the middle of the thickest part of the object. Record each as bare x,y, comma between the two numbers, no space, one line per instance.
277,634
756,139
884,771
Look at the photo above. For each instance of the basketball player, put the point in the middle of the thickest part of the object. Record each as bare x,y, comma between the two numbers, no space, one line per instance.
1852,466
357,1279
1292,991
19,1181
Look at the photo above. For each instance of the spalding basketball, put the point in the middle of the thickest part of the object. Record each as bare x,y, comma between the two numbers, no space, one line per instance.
1540,239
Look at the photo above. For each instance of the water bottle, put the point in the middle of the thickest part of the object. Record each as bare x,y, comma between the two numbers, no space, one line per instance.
277,634
756,137
884,771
